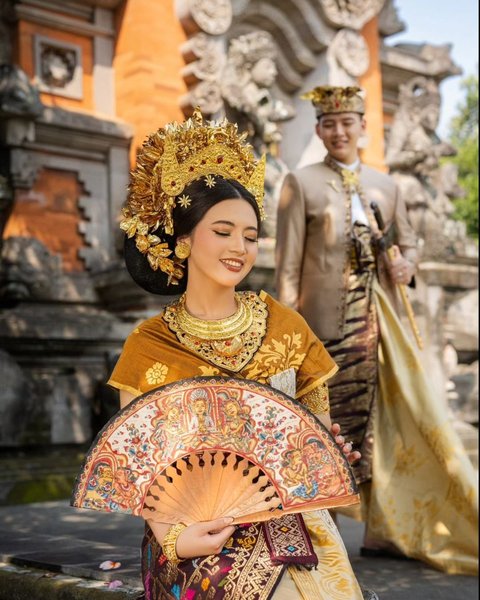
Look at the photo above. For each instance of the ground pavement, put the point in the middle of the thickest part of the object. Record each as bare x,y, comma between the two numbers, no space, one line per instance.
51,551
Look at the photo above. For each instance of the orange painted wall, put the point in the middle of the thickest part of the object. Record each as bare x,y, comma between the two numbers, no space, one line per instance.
147,67
371,82
25,58
49,212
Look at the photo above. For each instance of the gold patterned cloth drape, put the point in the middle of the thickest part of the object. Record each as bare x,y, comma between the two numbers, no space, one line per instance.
424,491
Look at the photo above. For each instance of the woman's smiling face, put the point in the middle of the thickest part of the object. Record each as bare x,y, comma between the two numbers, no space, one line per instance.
224,244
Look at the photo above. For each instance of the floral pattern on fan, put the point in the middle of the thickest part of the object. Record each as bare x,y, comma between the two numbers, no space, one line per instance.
240,424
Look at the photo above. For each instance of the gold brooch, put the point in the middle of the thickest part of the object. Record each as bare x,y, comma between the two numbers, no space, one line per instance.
333,184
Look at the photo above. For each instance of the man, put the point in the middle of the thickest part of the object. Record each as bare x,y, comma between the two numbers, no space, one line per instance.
328,259
420,497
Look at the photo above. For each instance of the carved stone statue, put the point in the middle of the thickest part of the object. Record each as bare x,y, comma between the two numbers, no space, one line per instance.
28,271
248,75
17,95
413,155
246,83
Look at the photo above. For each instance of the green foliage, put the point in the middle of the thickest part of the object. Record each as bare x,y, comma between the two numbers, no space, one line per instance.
464,137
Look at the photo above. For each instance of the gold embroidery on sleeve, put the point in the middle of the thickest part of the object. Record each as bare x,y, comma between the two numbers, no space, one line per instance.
277,356
317,400
208,371
156,374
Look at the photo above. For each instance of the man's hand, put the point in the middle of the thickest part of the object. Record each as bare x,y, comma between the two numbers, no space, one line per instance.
401,270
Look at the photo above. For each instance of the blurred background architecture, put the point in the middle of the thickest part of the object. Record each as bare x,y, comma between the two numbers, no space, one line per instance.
81,85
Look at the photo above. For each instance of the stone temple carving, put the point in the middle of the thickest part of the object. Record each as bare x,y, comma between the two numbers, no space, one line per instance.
413,154
351,52
350,13
246,84
213,16
205,59
28,271
57,66
17,95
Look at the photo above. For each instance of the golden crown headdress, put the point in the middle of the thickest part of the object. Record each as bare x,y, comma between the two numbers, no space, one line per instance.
168,161
336,99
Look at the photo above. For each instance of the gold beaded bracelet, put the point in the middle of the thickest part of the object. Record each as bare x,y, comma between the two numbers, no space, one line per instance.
170,542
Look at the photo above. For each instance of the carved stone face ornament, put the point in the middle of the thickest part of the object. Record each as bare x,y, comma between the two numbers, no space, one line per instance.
58,66
264,72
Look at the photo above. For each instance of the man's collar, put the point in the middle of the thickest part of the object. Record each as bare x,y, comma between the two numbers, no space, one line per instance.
351,167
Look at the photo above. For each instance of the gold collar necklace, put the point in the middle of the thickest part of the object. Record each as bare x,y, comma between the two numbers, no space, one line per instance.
350,178
231,353
218,329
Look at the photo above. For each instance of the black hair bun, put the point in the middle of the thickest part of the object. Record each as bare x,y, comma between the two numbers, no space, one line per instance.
155,282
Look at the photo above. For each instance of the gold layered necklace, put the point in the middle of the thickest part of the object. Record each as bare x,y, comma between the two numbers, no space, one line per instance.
229,343
218,329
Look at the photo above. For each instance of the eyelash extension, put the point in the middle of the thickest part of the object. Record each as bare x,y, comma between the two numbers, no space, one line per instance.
225,234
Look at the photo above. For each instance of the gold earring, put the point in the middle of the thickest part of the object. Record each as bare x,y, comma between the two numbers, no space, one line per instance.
182,250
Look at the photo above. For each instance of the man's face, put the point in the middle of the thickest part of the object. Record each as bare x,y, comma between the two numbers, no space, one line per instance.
340,133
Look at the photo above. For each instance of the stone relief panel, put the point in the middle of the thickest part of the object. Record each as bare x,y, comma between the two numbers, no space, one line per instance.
212,16
205,58
58,67
351,52
350,13
205,22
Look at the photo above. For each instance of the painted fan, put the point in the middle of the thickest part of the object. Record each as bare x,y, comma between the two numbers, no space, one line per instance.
208,447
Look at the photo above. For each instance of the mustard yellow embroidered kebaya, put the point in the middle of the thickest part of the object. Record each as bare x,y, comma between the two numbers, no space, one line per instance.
157,353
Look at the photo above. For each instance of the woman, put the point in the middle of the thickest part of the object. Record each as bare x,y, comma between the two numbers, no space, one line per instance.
197,191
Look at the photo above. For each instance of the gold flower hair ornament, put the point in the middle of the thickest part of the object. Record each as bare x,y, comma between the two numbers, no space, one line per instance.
168,161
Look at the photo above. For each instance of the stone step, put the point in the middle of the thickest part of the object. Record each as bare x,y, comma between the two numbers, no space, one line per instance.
20,583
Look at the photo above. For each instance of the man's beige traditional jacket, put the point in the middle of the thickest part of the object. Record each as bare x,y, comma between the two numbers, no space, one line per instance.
314,241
